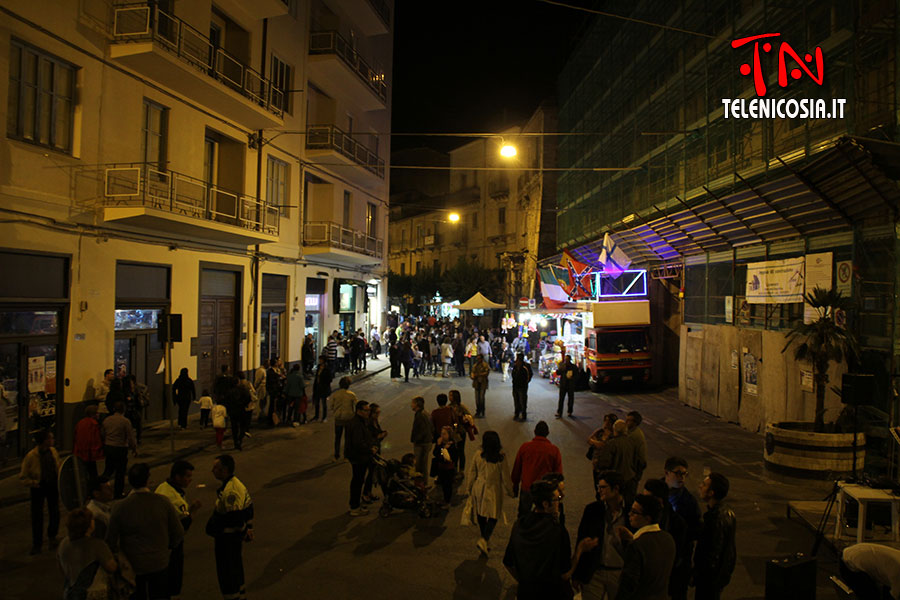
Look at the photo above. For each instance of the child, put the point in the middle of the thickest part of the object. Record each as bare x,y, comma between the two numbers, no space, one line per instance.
218,422
206,405
443,464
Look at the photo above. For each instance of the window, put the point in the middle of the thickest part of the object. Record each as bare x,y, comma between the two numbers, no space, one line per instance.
277,185
282,77
418,266
474,221
501,215
41,104
154,134
436,266
420,235
347,199
403,268
371,220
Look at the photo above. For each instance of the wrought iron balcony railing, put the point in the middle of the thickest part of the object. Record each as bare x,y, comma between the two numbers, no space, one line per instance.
141,22
328,233
329,137
143,184
331,42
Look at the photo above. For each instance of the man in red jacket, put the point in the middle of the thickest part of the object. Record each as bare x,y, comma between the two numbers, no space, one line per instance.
534,460
88,442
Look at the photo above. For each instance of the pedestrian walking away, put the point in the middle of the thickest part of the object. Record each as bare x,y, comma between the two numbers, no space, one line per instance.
184,392
145,526
487,482
534,460
422,436
88,447
206,404
343,409
230,525
118,436
39,472
321,389
568,378
521,377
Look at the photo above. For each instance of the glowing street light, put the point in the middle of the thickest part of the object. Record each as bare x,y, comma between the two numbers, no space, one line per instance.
453,217
508,151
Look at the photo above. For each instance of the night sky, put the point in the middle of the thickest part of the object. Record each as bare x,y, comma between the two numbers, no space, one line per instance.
470,66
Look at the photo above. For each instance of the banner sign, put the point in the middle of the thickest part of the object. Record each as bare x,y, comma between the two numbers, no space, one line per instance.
775,281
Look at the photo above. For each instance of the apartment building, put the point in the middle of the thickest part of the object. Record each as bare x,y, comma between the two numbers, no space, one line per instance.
505,209
225,161
701,198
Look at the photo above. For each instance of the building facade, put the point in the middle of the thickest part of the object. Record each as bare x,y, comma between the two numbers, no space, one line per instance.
504,205
222,161
699,196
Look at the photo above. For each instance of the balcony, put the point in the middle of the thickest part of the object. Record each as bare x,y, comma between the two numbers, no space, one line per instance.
141,195
335,64
168,50
373,17
330,243
341,149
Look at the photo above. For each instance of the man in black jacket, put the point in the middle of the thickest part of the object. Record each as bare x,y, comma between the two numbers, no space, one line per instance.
649,553
685,506
716,553
521,376
538,555
673,524
358,450
568,377
598,571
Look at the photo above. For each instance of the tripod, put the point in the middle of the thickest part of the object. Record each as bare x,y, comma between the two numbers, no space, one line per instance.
823,522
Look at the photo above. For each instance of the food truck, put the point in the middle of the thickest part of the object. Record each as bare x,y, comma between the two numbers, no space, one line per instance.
617,343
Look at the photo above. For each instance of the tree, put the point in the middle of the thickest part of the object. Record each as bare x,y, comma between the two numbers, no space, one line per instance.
823,341
465,279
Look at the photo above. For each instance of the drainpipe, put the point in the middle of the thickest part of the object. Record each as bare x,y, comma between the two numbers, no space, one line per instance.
254,264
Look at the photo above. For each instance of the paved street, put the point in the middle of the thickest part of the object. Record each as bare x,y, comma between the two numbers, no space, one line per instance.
306,541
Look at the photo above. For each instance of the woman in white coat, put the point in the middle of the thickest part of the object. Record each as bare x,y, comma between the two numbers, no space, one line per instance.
487,481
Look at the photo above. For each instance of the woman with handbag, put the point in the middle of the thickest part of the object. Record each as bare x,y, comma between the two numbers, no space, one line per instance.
487,481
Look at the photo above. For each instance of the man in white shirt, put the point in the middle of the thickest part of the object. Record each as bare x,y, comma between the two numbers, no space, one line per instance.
867,567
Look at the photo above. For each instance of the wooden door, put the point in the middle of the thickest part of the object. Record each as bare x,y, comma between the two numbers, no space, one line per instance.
216,340
206,345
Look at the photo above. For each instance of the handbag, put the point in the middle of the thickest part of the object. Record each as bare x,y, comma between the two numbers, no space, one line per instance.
590,452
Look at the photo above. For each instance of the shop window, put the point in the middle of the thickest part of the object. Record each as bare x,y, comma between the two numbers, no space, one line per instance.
136,319
29,322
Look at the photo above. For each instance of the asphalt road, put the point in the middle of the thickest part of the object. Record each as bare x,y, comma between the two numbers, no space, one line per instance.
308,546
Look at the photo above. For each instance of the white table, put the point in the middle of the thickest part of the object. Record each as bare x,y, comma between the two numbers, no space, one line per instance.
863,496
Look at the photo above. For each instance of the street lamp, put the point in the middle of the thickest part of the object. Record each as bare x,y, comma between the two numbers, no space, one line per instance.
453,217
508,151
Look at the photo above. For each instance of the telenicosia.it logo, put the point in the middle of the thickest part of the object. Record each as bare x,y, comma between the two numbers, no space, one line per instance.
811,65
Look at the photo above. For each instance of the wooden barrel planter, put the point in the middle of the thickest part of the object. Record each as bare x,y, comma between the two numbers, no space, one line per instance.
793,448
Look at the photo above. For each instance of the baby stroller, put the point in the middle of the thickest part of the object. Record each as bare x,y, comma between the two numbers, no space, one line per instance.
400,490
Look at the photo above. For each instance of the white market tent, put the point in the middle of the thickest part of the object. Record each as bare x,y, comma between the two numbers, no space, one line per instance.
478,301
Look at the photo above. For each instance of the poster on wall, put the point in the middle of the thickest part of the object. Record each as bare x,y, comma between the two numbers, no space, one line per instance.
775,281
818,274
729,309
36,374
806,380
750,374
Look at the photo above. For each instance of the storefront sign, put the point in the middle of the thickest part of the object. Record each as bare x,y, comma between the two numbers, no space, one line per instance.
817,275
312,301
775,281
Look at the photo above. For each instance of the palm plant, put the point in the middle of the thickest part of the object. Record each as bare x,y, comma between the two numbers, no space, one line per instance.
823,341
